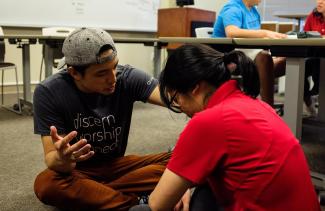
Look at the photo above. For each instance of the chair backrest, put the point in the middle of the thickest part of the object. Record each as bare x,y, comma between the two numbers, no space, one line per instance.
203,32
57,31
285,27
2,47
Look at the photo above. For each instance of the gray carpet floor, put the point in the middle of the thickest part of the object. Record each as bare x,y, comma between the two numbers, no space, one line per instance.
153,129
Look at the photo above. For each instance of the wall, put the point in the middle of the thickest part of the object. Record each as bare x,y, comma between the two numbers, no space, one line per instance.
134,54
268,8
132,15
210,5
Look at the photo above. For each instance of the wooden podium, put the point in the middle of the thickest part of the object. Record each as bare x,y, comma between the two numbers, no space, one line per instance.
181,22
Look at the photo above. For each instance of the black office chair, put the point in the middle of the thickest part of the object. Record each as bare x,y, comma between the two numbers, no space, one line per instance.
5,66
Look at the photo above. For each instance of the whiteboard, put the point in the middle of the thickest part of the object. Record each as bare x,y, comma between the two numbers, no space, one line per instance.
120,15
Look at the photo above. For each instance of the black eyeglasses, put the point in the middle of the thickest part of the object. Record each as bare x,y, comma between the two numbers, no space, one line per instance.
173,105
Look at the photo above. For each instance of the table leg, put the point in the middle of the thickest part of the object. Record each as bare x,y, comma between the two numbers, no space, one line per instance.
156,60
27,96
294,89
48,60
321,97
299,24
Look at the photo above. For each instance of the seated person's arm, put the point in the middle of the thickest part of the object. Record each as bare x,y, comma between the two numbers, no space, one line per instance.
233,31
60,156
154,98
168,192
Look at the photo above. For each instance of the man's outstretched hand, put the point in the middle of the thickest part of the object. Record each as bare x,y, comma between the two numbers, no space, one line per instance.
67,153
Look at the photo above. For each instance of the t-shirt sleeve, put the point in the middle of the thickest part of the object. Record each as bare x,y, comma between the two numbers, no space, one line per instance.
46,113
138,83
232,16
200,149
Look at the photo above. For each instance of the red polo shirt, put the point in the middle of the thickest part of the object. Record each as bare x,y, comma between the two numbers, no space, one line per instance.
314,23
247,153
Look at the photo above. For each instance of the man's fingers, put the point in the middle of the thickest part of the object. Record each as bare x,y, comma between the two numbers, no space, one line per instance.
63,142
68,138
80,148
77,146
54,133
85,156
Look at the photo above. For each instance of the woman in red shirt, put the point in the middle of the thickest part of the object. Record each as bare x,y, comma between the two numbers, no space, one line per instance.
234,142
314,22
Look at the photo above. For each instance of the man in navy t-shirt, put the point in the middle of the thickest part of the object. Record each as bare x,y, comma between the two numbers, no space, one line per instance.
83,115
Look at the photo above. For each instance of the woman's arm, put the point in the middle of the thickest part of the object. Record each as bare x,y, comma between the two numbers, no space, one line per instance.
154,98
168,192
236,32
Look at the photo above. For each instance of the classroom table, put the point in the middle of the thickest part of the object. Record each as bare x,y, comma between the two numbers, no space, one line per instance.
296,50
221,44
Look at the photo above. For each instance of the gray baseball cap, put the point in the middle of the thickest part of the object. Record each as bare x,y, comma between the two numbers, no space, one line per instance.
82,47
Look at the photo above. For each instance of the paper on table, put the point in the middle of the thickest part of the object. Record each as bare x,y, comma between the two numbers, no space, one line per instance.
292,36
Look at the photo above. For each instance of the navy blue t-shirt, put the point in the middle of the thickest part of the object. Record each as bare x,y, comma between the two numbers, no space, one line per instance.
104,120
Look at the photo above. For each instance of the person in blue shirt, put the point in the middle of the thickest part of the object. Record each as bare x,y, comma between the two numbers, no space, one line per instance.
240,19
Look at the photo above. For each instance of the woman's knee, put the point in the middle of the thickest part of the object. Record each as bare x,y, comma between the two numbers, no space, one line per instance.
263,57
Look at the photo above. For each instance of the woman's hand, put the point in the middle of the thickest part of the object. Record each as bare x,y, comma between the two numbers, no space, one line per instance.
184,203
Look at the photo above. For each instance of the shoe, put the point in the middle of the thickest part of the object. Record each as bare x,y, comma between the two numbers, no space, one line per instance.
314,98
143,199
171,148
278,107
312,108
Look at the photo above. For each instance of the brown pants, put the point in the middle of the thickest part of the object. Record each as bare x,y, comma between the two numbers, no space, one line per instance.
113,185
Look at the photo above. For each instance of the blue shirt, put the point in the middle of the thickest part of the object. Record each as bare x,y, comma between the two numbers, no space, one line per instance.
236,13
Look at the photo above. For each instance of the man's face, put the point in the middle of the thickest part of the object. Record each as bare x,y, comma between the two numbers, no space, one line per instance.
98,78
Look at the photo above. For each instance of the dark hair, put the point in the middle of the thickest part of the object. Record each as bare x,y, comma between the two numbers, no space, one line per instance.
318,14
192,63
82,68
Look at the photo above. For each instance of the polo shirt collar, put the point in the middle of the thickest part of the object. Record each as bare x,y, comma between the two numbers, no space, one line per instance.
222,93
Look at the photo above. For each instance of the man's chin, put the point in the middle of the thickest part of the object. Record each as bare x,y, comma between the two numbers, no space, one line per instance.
108,92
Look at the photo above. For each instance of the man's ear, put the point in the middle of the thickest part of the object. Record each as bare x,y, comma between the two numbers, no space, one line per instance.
74,73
